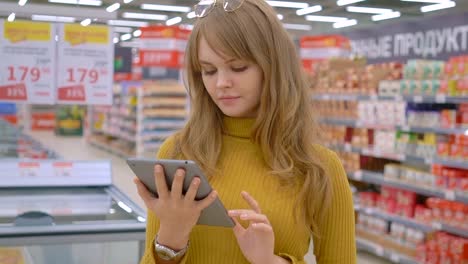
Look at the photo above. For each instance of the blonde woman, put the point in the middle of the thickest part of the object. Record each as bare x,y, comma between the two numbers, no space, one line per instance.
251,131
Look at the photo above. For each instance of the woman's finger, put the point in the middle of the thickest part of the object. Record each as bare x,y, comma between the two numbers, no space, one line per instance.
192,191
238,228
256,218
177,184
262,227
160,179
202,204
239,212
251,201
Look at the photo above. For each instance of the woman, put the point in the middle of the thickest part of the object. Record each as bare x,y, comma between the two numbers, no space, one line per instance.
251,132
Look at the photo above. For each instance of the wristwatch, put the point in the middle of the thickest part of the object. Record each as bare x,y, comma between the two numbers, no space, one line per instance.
167,253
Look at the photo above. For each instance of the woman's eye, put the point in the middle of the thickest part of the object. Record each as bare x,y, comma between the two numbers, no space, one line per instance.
239,69
210,72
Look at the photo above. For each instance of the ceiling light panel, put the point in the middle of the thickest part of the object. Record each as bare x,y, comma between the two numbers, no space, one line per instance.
288,4
62,19
347,2
367,10
330,19
347,23
144,16
127,23
434,7
170,8
78,2
309,10
385,16
173,21
297,27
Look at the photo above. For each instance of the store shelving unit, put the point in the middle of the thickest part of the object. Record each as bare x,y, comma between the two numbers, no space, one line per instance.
401,157
379,179
378,250
394,218
408,98
405,128
144,114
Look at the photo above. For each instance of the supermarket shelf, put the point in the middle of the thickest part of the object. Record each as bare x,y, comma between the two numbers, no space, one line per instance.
394,218
108,148
407,98
460,164
379,179
451,229
131,138
378,250
357,124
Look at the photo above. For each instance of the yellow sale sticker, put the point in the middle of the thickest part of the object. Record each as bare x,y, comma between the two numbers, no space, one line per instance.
76,34
18,31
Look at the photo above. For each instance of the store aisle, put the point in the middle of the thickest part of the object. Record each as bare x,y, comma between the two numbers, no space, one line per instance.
76,148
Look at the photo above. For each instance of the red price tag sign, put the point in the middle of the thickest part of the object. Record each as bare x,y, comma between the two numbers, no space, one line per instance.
72,93
13,92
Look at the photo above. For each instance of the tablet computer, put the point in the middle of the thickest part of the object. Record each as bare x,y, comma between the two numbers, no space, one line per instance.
213,215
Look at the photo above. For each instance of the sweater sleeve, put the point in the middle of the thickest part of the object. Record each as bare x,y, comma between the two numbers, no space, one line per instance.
292,259
336,242
152,221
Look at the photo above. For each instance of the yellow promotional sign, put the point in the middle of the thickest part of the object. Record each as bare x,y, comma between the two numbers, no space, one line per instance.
76,34
18,31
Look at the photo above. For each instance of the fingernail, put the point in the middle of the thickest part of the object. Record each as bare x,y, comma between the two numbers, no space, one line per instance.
157,168
213,195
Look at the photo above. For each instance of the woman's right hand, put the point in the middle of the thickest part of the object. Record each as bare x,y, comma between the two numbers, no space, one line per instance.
177,213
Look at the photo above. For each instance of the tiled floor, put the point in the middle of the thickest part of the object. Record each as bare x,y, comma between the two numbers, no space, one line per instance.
75,148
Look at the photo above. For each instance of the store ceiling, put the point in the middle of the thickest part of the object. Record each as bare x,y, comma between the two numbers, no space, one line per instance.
408,10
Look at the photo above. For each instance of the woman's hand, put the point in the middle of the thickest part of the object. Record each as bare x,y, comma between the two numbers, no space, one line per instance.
177,213
257,241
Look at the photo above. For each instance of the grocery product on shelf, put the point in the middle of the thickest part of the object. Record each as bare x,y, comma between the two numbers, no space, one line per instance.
143,115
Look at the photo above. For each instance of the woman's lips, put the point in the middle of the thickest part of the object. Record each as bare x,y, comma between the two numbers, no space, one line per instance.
228,99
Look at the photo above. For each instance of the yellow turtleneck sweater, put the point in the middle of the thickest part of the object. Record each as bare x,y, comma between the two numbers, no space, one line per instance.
242,168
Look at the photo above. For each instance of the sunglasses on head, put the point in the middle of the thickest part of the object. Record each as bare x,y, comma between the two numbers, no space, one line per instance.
204,7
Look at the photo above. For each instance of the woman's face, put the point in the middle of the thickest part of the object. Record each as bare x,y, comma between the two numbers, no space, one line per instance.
234,85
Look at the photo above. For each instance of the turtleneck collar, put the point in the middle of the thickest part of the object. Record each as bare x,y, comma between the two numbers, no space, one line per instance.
238,127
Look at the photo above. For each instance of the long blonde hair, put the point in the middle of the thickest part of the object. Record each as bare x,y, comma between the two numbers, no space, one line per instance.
284,127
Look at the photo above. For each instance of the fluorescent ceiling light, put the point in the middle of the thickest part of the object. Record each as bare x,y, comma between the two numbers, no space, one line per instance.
297,26
427,1
184,9
127,1
127,23
144,16
53,18
367,10
435,7
346,23
347,2
137,33
11,17
173,21
22,2
280,16
123,29
78,2
86,22
191,15
113,7
326,19
125,37
116,40
308,10
386,16
287,4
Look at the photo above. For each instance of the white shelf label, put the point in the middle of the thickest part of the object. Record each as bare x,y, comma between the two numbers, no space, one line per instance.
358,175
417,99
440,98
374,97
450,195
326,97
368,211
395,258
428,161
405,128
347,147
437,225
379,251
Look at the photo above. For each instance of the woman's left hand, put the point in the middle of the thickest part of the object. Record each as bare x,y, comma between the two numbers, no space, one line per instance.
257,241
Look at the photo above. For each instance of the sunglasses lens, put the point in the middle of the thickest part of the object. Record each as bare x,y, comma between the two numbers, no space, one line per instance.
231,5
204,7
